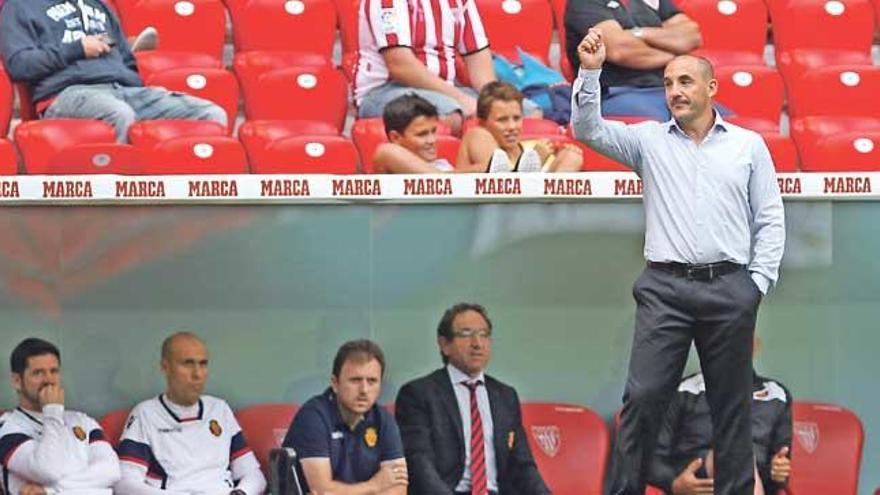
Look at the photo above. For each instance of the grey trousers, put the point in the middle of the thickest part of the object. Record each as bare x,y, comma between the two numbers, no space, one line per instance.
718,315
121,106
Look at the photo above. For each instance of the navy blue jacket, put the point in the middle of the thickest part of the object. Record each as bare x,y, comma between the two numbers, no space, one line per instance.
430,424
687,430
40,43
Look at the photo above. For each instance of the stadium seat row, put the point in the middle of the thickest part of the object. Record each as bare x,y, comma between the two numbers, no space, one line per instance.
571,444
303,147
806,33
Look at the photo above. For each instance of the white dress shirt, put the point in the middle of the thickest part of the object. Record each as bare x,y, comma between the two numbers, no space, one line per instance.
463,396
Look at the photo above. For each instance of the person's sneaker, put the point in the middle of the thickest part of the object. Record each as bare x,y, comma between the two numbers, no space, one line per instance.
529,161
148,39
443,165
499,163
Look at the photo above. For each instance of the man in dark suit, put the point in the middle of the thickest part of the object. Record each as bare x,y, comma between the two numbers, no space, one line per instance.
462,430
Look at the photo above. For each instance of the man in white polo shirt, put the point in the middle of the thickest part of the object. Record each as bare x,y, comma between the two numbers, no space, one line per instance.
43,447
183,441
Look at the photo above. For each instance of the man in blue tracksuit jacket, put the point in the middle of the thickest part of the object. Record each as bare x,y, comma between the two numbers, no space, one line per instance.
77,62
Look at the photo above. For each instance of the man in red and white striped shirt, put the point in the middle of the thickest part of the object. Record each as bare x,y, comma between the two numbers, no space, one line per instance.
411,46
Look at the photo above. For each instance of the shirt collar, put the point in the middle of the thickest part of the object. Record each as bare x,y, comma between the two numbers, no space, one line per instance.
336,416
719,125
457,376
182,414
36,417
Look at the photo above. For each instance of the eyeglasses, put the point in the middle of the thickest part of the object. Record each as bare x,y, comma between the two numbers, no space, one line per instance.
469,333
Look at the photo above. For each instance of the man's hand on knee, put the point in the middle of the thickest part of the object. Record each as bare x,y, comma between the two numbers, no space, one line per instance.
687,482
780,466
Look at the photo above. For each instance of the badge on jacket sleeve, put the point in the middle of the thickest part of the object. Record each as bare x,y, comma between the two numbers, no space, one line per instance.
79,433
214,426
511,437
371,437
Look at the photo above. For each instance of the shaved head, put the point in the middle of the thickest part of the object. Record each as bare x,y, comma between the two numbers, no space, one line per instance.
703,65
168,343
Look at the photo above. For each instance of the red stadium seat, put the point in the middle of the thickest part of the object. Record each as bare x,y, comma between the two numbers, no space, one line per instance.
217,85
249,66
305,155
113,423
367,135
5,102
197,26
257,134
853,151
527,24
836,91
816,33
319,94
264,427
157,61
62,146
782,150
809,134
751,91
733,31
256,63
570,445
285,25
826,450
8,159
146,134
196,155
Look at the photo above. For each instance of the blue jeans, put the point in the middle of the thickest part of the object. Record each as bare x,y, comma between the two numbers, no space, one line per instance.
645,102
374,102
121,106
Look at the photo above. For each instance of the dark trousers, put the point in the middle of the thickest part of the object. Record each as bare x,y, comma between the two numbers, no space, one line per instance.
718,315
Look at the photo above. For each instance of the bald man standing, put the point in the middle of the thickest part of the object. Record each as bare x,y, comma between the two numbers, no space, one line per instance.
182,441
715,233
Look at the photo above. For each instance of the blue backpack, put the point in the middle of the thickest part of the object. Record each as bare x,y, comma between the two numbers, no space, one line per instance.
539,83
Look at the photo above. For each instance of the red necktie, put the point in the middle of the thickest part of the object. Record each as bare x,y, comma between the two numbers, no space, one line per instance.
479,484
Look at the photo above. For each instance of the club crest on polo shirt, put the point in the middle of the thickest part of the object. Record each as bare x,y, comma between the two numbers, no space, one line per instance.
214,426
371,437
79,433
389,21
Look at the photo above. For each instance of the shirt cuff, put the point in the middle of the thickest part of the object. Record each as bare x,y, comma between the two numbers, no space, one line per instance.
73,51
589,74
761,281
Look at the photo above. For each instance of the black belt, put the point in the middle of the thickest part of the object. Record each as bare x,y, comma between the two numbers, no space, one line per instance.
705,271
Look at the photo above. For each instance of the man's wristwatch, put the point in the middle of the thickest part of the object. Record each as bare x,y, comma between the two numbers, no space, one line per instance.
637,32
